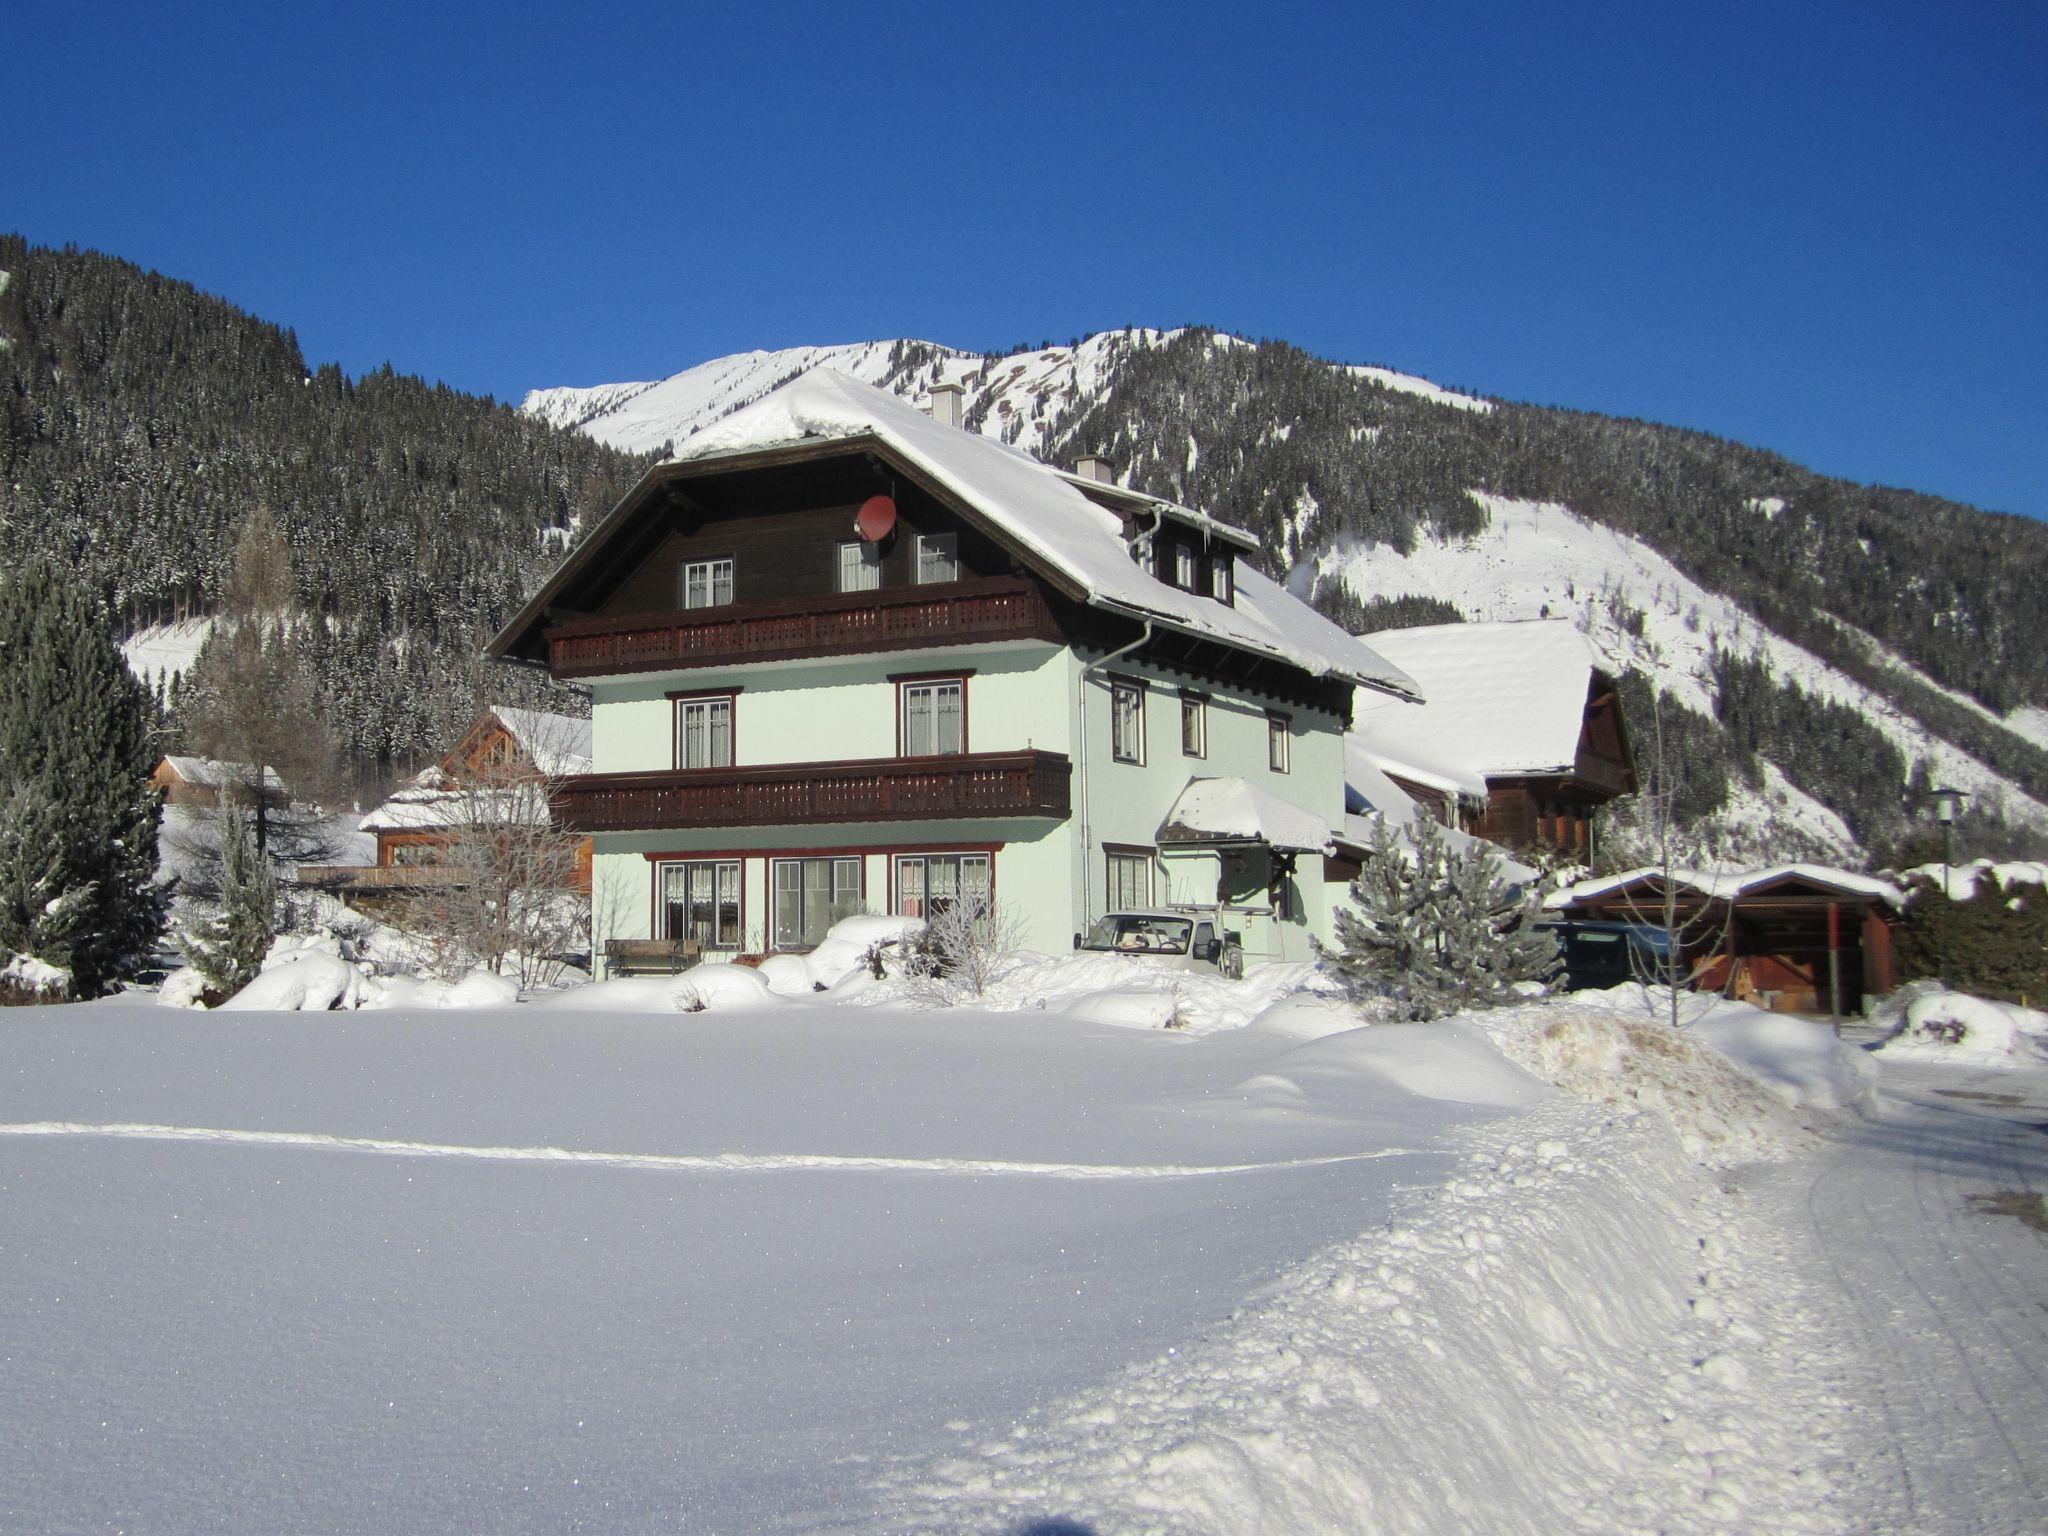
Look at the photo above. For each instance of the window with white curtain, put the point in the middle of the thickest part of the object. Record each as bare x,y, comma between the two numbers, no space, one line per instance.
704,732
707,583
860,566
935,717
701,900
938,557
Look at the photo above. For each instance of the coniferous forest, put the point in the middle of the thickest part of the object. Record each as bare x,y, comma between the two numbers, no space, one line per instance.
141,420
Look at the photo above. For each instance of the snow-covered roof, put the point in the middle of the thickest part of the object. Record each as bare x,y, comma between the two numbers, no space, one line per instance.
554,744
1369,792
1231,810
1046,512
1358,830
1502,698
213,773
429,810
1717,887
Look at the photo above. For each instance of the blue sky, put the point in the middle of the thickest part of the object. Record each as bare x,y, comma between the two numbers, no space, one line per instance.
1815,227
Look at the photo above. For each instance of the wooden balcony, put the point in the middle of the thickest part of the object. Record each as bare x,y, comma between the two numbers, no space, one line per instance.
797,794
843,624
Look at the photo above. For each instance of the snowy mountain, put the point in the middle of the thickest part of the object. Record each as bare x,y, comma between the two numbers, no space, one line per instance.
1368,484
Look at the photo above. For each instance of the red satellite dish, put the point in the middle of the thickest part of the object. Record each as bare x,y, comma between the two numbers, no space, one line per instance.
877,515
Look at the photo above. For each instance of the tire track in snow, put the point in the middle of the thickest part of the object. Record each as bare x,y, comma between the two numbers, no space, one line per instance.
698,1162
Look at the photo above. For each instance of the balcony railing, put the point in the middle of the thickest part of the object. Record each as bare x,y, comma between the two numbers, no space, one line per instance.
843,624
794,794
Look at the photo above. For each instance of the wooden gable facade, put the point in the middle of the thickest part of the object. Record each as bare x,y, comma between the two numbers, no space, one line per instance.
1554,811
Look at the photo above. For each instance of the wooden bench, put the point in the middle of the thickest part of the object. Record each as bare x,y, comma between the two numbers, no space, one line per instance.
629,957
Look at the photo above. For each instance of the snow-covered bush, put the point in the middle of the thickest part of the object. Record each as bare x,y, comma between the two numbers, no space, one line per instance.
963,946
1436,930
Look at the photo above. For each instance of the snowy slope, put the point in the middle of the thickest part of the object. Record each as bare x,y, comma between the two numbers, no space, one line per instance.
163,651
1016,398
1539,560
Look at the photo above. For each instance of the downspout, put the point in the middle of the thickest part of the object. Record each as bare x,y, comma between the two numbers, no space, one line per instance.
1087,828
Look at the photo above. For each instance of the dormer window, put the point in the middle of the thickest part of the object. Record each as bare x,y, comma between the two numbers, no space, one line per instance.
1184,566
706,583
938,557
1221,576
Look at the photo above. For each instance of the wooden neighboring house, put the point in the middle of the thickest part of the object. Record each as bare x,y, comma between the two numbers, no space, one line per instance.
198,781
416,825
1520,741
1794,938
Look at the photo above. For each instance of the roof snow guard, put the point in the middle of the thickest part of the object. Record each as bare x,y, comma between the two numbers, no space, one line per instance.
1229,811
1040,510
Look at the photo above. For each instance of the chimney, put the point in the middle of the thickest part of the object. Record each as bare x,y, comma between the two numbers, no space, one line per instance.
1092,466
946,404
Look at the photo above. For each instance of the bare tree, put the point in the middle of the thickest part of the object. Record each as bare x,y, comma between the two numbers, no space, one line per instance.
250,702
506,891
1699,931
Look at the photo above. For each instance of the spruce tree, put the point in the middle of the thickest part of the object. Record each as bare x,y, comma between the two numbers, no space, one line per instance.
1436,929
228,947
78,819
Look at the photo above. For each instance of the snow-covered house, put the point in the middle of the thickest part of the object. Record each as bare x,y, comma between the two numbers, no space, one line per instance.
198,781
503,750
846,656
1520,739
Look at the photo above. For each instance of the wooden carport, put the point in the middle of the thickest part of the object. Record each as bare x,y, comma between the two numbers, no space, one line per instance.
1796,939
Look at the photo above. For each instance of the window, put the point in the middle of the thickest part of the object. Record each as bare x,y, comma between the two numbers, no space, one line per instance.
707,583
938,557
1130,878
860,566
704,732
810,896
1184,567
1194,725
701,901
1220,576
934,717
928,883
1276,743
1126,720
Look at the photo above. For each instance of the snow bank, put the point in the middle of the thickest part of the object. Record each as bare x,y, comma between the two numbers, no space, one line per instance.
1576,1332
1611,1053
1804,1063
1931,1023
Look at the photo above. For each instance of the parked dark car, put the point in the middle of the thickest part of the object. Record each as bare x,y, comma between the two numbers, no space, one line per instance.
1598,955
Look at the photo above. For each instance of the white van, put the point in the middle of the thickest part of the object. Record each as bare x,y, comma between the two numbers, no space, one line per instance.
1191,936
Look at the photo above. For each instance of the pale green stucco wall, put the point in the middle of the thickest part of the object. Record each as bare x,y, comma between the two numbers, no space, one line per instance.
1050,875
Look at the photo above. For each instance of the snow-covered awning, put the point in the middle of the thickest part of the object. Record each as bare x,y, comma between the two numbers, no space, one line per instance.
1225,811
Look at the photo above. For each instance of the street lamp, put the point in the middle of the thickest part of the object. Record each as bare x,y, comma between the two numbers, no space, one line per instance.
1946,803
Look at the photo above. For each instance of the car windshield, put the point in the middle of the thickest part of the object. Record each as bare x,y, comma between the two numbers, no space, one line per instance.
1134,934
